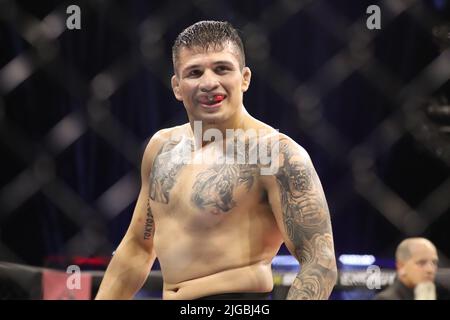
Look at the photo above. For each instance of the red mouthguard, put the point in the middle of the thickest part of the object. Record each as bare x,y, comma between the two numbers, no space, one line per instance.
218,98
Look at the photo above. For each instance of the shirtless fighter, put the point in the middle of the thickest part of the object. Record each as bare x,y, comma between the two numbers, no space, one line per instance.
216,225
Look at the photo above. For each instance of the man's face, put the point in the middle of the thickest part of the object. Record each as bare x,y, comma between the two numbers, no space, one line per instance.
210,83
422,265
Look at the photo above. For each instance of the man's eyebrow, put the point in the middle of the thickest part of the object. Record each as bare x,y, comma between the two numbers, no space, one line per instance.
194,66
191,67
223,62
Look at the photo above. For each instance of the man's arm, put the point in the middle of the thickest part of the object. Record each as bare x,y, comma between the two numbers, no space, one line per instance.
134,257
298,202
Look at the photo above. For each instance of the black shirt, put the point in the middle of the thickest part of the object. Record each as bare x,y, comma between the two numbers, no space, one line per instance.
398,291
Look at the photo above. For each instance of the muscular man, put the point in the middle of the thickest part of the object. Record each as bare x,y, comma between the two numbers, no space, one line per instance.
216,225
416,262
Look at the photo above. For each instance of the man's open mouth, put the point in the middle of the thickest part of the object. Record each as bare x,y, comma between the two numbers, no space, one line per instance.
211,101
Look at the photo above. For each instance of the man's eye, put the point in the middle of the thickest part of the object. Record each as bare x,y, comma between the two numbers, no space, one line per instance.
222,69
193,73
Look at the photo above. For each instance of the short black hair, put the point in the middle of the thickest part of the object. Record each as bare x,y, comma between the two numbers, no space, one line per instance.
206,35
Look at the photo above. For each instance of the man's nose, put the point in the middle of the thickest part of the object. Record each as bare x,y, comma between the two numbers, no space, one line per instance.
208,82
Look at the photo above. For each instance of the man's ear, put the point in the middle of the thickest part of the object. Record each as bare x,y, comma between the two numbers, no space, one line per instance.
400,268
246,77
176,88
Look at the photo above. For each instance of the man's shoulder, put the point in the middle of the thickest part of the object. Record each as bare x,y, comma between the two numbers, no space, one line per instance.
277,139
387,294
166,135
285,155
288,147
396,291
163,137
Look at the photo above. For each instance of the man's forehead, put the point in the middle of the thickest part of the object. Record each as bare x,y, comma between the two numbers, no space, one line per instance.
421,249
225,52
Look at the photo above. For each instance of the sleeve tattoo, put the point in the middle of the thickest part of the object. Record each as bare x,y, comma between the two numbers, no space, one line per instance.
307,222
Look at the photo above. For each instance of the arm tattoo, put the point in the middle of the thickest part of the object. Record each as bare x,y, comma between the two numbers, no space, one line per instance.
214,188
149,227
307,223
166,167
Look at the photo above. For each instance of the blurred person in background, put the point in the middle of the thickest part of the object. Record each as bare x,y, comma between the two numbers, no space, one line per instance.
416,264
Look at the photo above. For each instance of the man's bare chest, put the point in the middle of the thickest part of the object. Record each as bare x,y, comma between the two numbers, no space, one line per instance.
214,187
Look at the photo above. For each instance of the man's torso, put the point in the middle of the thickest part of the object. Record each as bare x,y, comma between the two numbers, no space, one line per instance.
214,228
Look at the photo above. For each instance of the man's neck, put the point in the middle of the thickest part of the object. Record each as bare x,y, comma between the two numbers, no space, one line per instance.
202,130
406,283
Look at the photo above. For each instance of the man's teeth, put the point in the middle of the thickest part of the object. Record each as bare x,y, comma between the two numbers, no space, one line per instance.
214,99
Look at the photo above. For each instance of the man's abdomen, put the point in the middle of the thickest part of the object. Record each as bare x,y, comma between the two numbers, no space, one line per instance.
256,277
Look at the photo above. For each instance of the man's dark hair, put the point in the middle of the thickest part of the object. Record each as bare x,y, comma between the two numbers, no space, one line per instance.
207,35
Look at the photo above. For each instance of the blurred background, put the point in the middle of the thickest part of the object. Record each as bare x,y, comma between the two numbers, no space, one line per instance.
77,108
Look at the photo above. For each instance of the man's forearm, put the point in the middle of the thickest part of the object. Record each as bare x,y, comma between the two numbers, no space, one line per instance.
314,282
125,275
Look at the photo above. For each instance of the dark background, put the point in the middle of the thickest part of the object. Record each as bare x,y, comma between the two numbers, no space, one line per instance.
77,108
